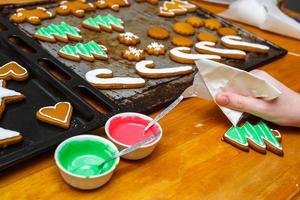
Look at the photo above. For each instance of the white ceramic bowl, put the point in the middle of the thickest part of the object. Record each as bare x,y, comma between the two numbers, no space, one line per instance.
140,153
79,181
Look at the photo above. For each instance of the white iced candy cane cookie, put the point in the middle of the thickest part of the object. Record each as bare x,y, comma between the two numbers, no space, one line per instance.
103,79
209,47
146,69
184,55
236,42
5,134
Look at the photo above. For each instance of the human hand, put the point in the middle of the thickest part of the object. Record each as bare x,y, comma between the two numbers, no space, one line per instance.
284,110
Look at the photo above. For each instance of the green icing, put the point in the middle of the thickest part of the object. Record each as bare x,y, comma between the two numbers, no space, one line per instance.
106,21
62,30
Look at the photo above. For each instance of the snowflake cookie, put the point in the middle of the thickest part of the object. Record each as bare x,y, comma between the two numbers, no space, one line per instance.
133,54
156,49
129,39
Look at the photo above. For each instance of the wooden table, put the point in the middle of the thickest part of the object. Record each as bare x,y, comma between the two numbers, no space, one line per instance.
190,162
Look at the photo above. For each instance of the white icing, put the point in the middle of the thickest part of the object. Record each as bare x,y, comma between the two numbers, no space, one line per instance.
49,13
20,9
12,71
19,14
129,36
133,51
79,11
6,134
209,46
54,107
102,2
156,46
41,8
115,6
179,52
33,17
91,5
64,7
142,67
236,41
91,76
4,92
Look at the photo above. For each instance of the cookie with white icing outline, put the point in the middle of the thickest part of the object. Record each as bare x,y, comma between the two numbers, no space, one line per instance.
9,137
13,70
112,4
33,16
106,23
77,8
133,54
155,48
128,39
103,79
176,7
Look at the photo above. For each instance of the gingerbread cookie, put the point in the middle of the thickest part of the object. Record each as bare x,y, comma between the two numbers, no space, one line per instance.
236,42
182,41
112,4
128,39
223,31
77,8
204,36
158,33
133,54
12,70
184,28
195,21
8,96
88,51
209,48
259,137
103,79
153,2
212,24
62,32
146,68
184,55
33,16
58,115
156,49
8,137
176,7
106,23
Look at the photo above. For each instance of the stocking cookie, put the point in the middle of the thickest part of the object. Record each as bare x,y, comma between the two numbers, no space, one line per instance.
33,16
12,70
9,137
62,32
184,55
158,33
236,42
128,39
106,23
146,68
103,79
8,96
133,54
112,4
209,48
88,51
181,41
156,49
184,28
176,7
77,8
58,115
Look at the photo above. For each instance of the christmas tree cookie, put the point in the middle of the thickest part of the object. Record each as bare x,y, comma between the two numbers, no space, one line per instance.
106,23
62,32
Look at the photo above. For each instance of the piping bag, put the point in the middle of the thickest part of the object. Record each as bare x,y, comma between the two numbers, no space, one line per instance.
214,77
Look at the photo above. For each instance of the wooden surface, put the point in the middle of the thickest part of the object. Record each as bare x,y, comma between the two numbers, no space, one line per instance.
190,162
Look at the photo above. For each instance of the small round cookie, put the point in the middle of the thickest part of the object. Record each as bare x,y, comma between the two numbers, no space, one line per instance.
182,41
155,49
212,24
128,39
223,31
205,36
158,33
133,54
195,21
184,28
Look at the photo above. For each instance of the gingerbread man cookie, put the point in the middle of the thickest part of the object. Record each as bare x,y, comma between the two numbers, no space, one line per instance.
133,54
112,4
106,23
33,16
9,137
176,7
77,8
128,39
156,49
12,70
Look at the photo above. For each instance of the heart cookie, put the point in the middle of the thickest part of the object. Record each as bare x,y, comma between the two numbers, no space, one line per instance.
58,115
12,70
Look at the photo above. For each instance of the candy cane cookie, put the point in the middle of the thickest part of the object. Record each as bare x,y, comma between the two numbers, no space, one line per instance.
9,137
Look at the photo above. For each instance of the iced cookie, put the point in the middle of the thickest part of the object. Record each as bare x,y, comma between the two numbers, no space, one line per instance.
58,115
33,16
212,24
195,21
204,36
12,70
78,8
103,79
184,55
146,68
9,137
176,7
88,51
62,32
8,96
156,49
112,4
235,42
182,41
128,39
184,28
158,33
209,48
133,54
223,31
106,23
